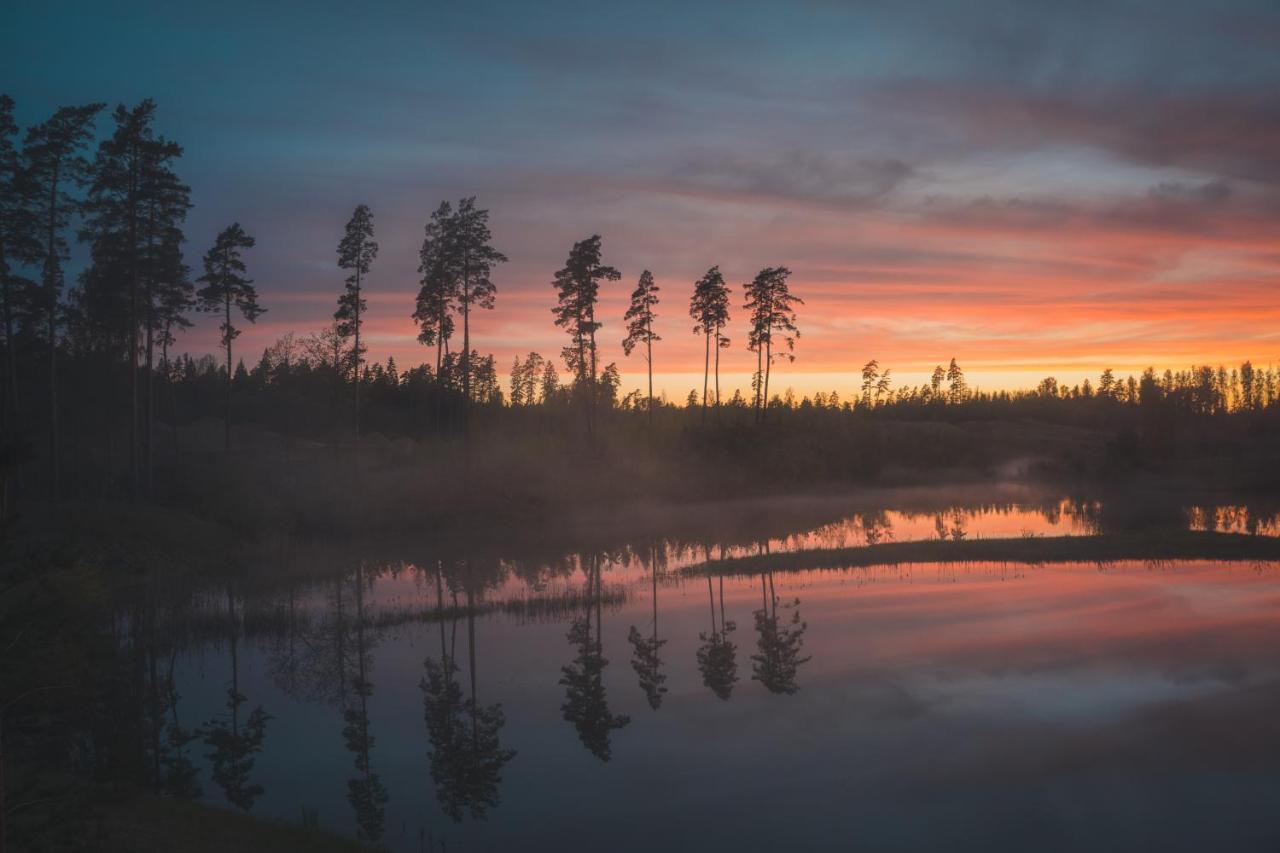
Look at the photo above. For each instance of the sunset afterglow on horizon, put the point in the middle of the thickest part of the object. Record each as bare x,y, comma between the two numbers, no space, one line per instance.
1027,189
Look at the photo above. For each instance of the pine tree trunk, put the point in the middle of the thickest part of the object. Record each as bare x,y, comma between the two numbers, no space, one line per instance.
717,368
10,352
51,261
150,423
358,360
133,339
768,365
466,352
649,358
54,468
9,403
226,434
594,399
706,368
759,383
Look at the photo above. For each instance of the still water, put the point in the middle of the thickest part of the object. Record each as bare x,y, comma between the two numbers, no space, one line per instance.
629,700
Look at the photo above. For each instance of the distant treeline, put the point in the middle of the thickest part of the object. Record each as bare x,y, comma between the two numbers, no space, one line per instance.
92,393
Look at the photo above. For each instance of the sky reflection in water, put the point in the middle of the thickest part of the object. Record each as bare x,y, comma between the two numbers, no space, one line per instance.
914,707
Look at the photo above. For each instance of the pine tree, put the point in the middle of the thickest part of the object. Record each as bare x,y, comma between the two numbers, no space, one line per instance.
772,307
19,246
225,287
578,288
709,308
356,252
54,156
474,262
135,207
639,318
433,311
957,390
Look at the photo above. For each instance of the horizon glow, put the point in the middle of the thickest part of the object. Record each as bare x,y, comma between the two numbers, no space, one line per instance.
1031,190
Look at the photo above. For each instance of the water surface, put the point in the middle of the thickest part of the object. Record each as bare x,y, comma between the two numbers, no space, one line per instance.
629,699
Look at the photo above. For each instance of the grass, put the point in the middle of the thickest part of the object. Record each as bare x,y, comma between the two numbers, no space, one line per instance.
145,824
1034,550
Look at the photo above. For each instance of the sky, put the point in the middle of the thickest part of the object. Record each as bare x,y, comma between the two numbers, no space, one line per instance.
1033,188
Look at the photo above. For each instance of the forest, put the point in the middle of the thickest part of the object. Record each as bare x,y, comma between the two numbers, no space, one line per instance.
100,403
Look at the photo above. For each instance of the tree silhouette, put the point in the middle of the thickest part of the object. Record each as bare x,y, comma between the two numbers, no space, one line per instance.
772,307
19,246
433,311
467,757
53,152
717,655
645,659
578,290
234,745
586,705
365,792
639,319
356,252
475,260
957,390
779,643
709,308
134,208
225,287
169,294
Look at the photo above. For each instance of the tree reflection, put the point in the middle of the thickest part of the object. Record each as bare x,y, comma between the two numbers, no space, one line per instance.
876,527
233,744
645,659
779,642
585,704
717,656
365,791
467,756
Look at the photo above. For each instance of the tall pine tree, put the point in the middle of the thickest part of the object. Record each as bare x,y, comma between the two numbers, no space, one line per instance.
54,156
474,262
226,287
773,315
134,208
433,311
577,286
19,246
639,319
709,308
356,252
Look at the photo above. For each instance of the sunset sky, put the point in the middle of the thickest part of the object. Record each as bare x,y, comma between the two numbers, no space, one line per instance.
1031,187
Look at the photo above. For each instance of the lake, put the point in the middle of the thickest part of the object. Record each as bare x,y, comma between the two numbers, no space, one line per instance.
636,697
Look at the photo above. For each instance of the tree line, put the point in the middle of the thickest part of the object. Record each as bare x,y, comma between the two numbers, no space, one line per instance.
129,207
89,365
